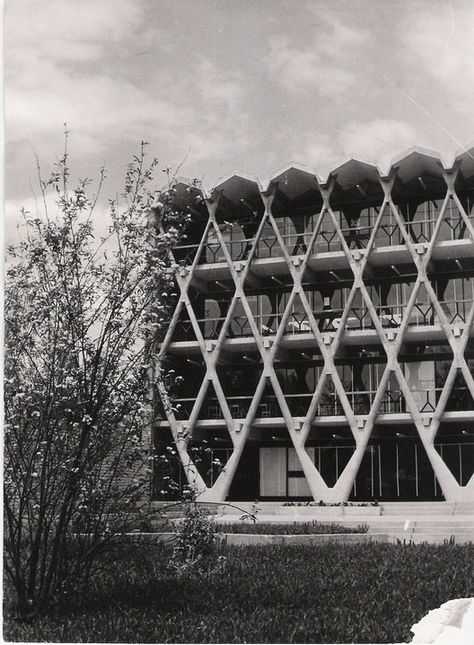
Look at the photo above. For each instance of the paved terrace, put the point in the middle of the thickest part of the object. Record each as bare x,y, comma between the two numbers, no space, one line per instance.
433,522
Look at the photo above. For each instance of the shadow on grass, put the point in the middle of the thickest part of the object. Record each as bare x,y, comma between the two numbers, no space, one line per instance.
327,594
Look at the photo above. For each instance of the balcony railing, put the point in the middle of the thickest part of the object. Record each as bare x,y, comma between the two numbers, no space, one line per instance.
359,318
327,240
393,402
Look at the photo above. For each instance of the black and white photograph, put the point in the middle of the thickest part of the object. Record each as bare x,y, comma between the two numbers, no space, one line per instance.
238,321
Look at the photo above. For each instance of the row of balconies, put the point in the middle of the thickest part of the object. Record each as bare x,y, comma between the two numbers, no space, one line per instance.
393,402
327,240
359,318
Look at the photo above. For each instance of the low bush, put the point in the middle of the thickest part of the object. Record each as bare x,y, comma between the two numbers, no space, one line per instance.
374,502
194,544
333,593
294,528
195,534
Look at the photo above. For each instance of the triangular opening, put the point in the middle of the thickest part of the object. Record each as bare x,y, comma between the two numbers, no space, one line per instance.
239,236
269,308
327,294
328,238
460,397
239,326
393,400
211,407
330,449
266,294
357,225
184,330
268,245
455,444
255,279
268,407
239,376
421,214
389,291
212,251
296,230
426,367
182,377
358,312
423,312
395,467
297,373
454,288
388,232
329,404
217,304
297,321
453,224
211,317
210,452
360,370
239,213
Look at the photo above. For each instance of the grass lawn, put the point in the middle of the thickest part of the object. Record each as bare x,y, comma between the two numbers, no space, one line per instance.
332,593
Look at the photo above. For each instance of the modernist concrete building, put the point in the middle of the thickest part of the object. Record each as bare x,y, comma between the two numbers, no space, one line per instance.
322,345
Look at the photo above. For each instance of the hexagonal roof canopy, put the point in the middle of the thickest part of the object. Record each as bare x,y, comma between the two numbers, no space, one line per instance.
418,171
297,187
237,186
356,181
239,197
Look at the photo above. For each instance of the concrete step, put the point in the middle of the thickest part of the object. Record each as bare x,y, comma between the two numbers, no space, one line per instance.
354,518
386,508
424,531
414,510
464,508
423,508
443,523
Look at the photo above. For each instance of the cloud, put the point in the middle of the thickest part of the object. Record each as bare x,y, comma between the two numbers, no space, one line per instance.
441,43
55,72
82,64
92,66
96,106
222,88
220,118
324,65
320,153
69,31
376,141
297,69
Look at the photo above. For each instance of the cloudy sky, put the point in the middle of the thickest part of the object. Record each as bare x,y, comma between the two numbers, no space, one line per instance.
244,85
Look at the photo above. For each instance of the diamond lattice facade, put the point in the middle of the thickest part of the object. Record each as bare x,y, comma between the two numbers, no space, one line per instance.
322,345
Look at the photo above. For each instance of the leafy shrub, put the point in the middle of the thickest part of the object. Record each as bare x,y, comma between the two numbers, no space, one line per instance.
195,535
375,502
83,315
